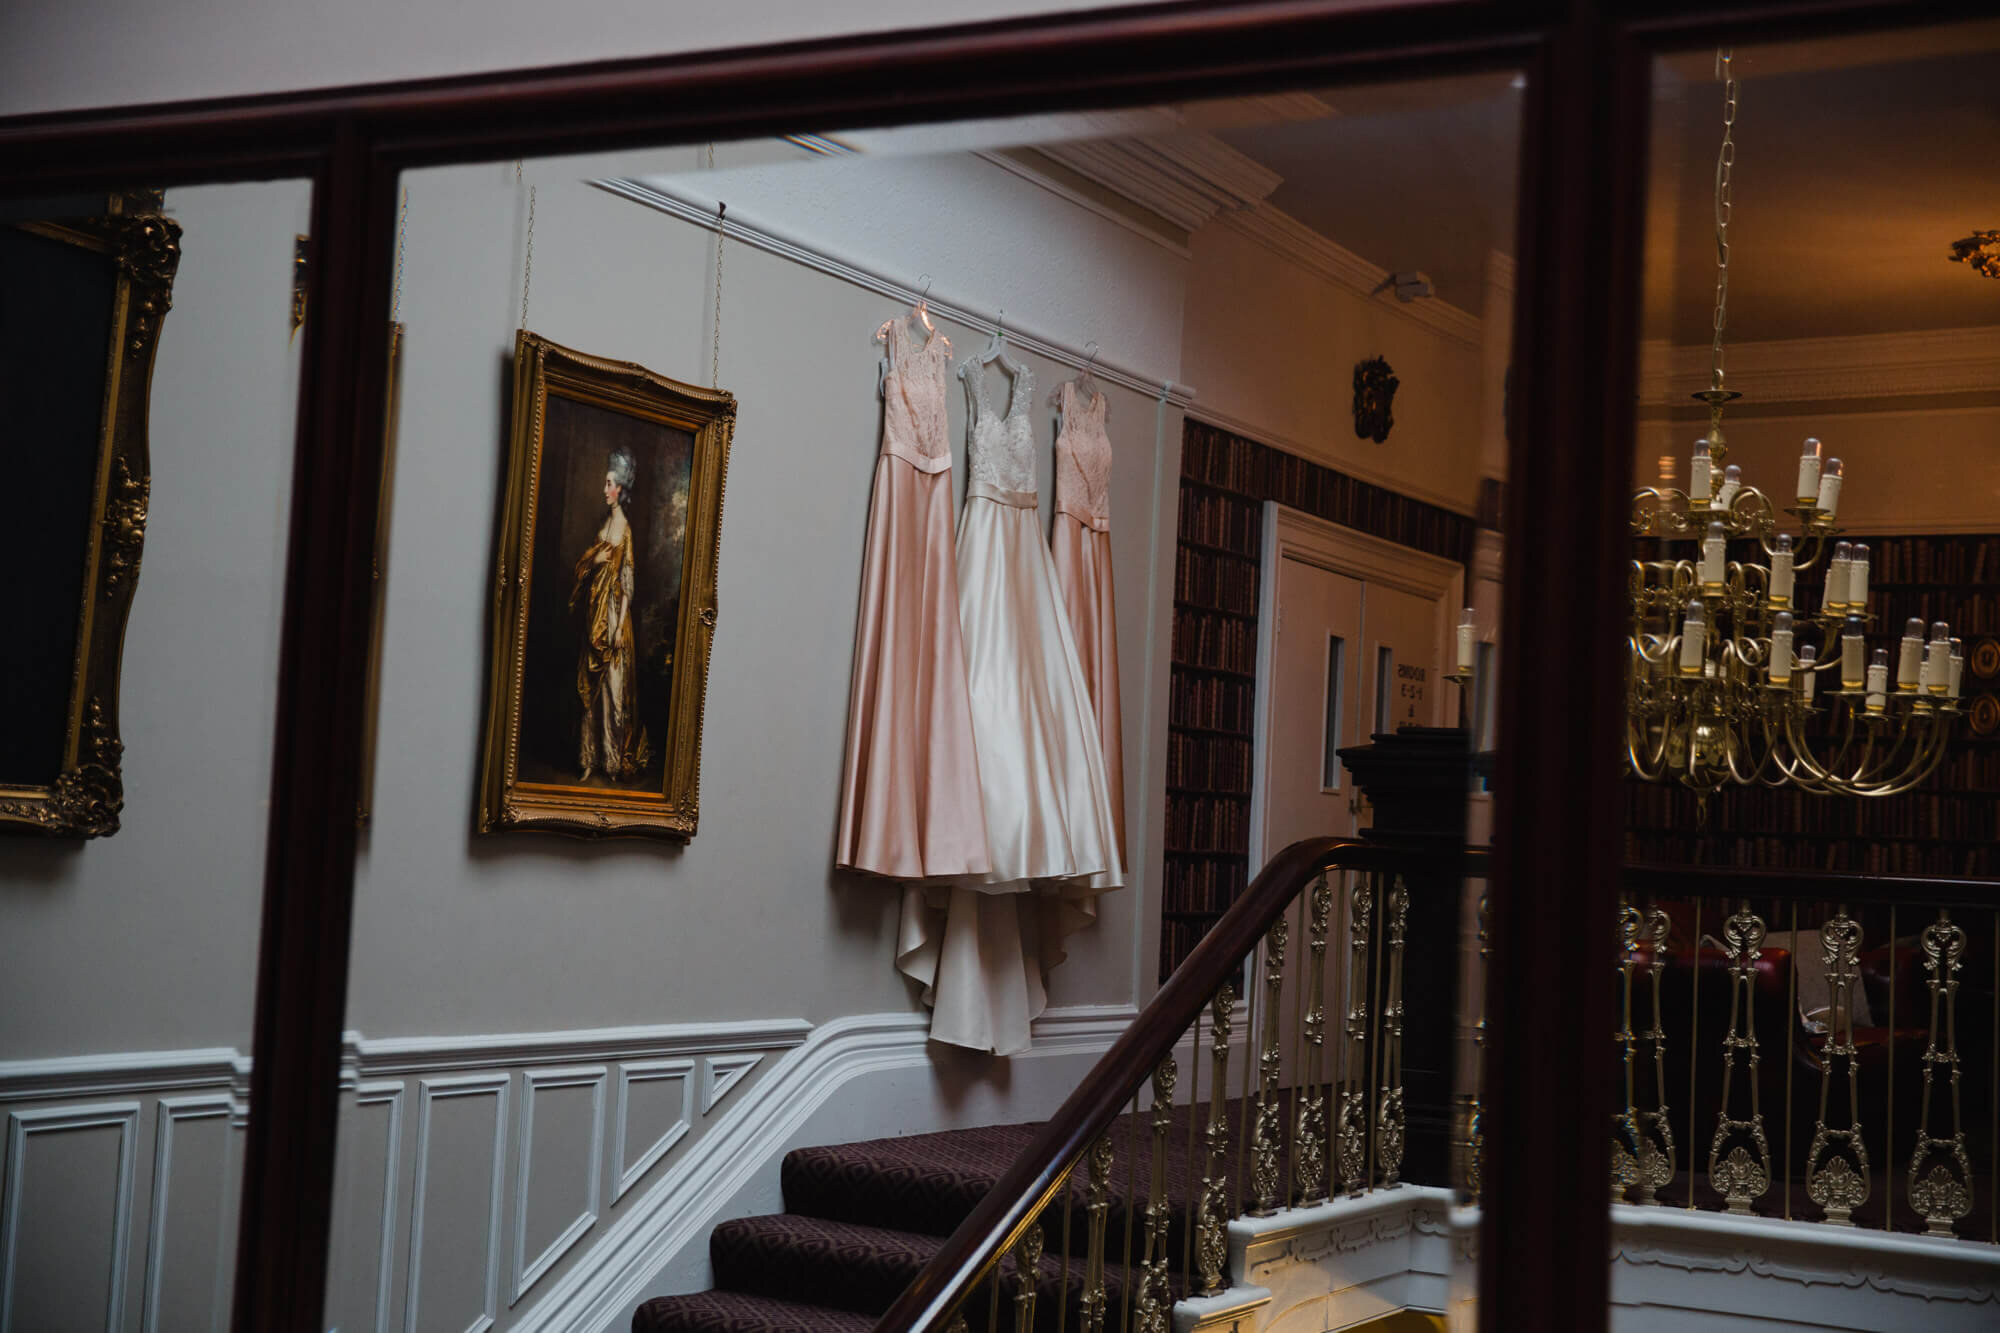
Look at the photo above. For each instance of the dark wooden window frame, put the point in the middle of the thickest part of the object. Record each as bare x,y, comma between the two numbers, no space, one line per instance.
1584,139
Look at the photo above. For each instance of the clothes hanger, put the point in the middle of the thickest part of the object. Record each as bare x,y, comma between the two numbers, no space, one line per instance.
1085,382
920,312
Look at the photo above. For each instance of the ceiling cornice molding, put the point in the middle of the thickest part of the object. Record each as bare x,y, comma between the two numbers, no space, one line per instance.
1501,270
1918,363
1290,239
1185,178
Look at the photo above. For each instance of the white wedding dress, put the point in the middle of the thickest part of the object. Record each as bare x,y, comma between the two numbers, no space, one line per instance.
984,947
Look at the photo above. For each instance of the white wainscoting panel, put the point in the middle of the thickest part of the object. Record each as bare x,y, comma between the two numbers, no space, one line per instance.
455,1224
188,1252
68,1193
558,1182
720,1073
661,1119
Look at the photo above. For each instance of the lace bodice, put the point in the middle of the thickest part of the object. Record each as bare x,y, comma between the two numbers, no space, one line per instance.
1083,460
1000,460
913,391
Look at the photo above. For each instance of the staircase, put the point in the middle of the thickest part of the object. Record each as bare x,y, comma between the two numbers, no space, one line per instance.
862,1219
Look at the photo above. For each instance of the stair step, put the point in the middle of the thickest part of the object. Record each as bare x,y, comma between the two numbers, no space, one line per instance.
739,1312
863,1269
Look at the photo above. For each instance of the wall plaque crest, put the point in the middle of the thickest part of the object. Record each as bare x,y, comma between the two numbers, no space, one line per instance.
1374,390
79,324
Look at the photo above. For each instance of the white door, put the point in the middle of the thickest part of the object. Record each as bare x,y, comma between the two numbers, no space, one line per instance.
1316,687
1403,685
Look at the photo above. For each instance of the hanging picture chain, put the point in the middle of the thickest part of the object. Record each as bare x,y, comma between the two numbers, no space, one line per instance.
402,229
715,357
528,263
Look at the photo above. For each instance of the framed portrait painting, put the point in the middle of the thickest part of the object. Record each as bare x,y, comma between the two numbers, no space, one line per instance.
604,597
82,296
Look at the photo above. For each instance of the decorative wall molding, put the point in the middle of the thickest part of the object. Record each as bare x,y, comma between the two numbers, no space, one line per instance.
431,1092
1290,239
377,1058
1502,270
526,1272
387,1093
720,1073
1022,163
631,1173
1923,362
123,1073
1186,178
22,1126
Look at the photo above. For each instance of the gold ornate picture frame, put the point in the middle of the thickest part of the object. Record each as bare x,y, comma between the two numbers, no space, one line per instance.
88,297
604,603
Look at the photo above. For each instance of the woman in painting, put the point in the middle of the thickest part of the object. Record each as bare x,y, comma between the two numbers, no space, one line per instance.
613,743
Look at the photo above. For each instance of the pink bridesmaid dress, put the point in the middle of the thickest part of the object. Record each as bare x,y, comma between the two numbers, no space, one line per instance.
910,802
1081,546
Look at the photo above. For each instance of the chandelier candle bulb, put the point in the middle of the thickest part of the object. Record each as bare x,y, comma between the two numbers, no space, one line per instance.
1732,482
1694,638
1910,665
1829,488
1878,681
1857,578
1809,474
1467,636
1781,649
1713,548
1699,482
1937,660
1852,646
1808,659
1835,601
1781,571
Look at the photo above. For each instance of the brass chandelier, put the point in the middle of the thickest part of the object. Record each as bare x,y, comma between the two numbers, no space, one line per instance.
1733,680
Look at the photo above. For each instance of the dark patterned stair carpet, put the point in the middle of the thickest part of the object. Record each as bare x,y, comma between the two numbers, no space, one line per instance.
862,1219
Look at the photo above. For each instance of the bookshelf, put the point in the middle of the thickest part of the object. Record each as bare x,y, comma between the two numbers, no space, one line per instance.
1225,479
1949,826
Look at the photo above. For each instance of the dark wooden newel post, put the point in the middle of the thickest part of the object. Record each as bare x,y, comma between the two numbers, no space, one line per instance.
1416,780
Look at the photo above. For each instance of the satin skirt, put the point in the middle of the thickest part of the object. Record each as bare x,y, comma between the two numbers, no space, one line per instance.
1082,558
983,948
910,805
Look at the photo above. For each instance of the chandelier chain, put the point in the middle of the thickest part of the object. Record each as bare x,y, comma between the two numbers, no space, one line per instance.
528,260
1725,164
402,231
715,356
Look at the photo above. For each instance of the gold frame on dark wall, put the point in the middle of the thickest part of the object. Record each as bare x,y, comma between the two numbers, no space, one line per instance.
88,792
506,800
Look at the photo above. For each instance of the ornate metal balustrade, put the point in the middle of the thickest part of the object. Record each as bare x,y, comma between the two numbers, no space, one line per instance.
1231,1095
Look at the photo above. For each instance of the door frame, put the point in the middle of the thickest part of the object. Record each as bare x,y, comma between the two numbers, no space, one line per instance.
1292,534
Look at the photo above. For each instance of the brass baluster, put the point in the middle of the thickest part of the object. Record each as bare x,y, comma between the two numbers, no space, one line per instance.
1265,1176
1475,1121
1625,1124
1091,1303
1656,1134
1837,1162
1211,1242
1153,1307
1389,1125
1740,1177
1351,1147
1309,1161
1027,1269
1940,1196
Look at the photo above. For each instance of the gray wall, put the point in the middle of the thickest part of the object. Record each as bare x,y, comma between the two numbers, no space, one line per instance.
147,940
523,932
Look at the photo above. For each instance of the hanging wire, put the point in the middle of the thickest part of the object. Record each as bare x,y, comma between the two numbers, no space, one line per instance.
715,356
1725,163
402,230
528,264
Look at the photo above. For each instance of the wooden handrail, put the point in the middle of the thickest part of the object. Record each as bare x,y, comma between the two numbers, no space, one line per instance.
1813,886
1019,1195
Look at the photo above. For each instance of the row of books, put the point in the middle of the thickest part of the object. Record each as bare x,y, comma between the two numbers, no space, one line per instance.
1957,561
1204,579
1209,763
1955,816
1221,521
1207,823
1213,703
1203,639
1206,884
1217,458
1877,858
